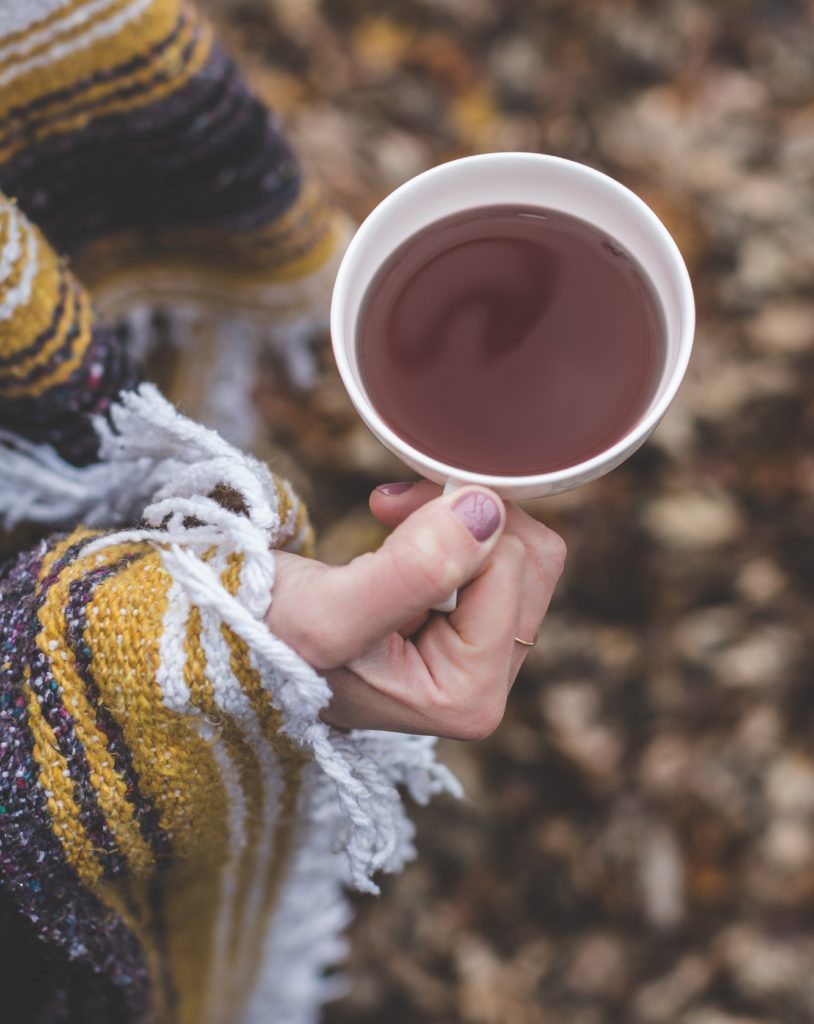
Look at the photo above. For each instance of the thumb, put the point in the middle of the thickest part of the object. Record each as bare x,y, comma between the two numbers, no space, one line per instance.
441,546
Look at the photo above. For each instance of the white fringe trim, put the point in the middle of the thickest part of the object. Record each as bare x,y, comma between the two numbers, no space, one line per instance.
305,938
312,912
145,447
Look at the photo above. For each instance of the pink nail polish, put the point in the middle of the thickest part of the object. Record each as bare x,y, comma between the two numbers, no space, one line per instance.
393,489
479,513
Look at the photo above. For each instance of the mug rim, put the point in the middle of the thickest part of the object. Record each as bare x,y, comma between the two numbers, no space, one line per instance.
591,468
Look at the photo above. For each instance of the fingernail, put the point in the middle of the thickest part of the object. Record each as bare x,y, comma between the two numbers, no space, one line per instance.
479,513
391,489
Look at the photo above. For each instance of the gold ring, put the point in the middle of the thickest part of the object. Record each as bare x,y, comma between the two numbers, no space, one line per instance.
525,643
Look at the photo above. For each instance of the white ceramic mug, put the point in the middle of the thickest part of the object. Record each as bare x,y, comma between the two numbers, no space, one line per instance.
529,179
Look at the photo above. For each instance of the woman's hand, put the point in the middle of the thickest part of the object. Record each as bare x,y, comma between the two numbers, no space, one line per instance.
391,663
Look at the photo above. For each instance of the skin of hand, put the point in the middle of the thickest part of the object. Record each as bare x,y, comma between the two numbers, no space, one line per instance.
392,664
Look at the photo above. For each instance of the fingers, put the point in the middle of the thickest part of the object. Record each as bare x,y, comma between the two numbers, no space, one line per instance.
472,655
341,612
392,503
454,679
545,550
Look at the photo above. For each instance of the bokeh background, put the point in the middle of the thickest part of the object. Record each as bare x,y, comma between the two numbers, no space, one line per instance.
638,841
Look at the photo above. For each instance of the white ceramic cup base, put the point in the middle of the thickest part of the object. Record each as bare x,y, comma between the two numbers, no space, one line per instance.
529,179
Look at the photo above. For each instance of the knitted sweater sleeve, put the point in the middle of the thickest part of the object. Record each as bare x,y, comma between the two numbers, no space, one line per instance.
142,768
176,823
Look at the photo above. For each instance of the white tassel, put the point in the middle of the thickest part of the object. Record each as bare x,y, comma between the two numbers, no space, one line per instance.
145,445
38,486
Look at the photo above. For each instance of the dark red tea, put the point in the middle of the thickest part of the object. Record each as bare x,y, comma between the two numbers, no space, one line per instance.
510,340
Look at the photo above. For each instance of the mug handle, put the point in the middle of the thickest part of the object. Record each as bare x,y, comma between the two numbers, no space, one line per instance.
451,603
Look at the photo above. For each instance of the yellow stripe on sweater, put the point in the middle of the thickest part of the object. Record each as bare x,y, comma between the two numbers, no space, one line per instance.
173,763
53,117
137,36
306,545
55,779
67,366
179,74
109,787
30,319
47,20
57,37
299,227
176,767
21,369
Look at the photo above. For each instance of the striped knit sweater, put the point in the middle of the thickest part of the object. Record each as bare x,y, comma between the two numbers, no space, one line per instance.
129,137
177,825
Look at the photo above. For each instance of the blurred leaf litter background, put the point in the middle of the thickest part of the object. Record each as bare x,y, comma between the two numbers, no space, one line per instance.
638,842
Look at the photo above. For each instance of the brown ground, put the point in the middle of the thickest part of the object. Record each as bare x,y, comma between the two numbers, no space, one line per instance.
638,846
